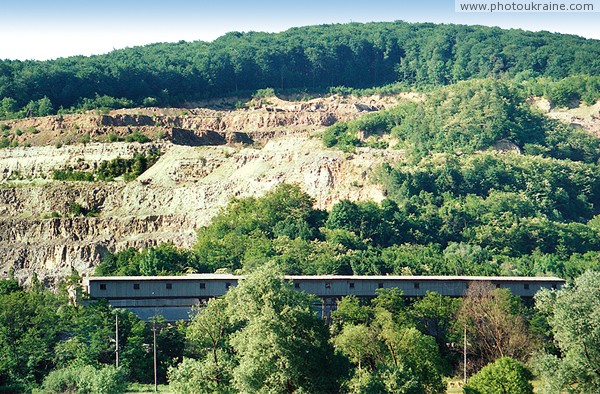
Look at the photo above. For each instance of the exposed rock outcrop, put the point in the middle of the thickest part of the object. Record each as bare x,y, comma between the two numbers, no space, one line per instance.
210,159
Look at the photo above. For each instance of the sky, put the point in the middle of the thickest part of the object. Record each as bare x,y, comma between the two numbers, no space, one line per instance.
48,29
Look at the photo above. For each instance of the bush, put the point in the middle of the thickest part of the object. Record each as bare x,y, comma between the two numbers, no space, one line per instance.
264,93
77,209
70,175
341,135
85,379
504,376
196,376
137,137
65,380
128,168
109,380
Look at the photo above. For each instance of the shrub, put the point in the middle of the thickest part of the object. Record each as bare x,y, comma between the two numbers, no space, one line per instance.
65,380
264,93
188,377
504,376
85,139
77,209
137,137
109,380
85,379
70,175
150,102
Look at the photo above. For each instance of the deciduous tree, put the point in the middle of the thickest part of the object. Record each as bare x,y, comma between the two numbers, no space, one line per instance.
574,316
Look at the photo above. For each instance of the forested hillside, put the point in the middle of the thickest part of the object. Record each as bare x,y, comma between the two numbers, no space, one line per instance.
310,58
488,186
462,174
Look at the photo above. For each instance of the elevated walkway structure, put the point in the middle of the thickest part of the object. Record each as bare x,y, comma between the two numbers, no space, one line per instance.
174,297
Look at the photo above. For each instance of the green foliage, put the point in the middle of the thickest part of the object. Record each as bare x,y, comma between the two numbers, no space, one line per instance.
41,332
350,312
30,326
504,376
568,91
8,286
358,343
136,136
434,315
8,108
108,170
481,214
244,232
86,380
389,354
164,259
77,209
129,168
68,379
208,334
112,137
316,57
262,337
264,93
369,221
341,136
90,342
72,175
467,117
283,345
385,90
104,103
477,199
150,102
572,314
195,376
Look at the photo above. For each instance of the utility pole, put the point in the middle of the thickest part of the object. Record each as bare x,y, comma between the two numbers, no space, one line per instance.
155,376
117,339
465,356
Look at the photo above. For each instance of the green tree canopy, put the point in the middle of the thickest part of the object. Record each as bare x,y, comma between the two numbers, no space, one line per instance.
573,314
504,376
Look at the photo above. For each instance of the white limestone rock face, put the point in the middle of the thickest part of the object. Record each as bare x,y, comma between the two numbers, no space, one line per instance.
181,192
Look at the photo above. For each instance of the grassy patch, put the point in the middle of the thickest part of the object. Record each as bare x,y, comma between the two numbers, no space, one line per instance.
147,388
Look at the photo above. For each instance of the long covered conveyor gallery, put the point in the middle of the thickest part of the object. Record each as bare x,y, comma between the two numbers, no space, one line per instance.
174,297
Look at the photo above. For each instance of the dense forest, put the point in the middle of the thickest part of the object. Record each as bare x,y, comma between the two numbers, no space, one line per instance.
457,204
312,58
